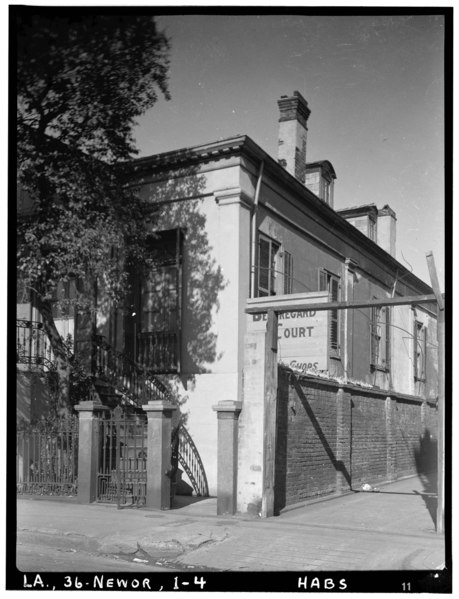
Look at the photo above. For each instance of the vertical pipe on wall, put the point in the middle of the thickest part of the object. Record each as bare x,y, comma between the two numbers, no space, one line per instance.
254,230
270,415
346,324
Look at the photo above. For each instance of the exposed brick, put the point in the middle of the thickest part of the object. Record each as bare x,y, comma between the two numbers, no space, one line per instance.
330,439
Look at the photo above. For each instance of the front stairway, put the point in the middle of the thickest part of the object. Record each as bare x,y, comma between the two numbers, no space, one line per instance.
120,382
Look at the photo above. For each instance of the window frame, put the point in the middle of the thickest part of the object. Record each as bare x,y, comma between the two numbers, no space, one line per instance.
379,342
166,265
272,268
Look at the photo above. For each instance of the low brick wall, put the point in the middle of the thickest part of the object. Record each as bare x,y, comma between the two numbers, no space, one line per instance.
332,438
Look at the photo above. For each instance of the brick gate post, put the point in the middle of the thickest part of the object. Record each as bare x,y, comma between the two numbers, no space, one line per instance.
159,465
228,416
88,448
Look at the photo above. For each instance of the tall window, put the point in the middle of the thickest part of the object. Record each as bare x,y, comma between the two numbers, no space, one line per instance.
157,323
419,351
330,282
288,273
380,328
267,259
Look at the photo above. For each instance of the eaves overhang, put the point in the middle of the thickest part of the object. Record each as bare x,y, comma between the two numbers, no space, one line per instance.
244,146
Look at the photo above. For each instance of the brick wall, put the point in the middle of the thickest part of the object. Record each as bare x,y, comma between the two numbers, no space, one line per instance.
369,438
332,438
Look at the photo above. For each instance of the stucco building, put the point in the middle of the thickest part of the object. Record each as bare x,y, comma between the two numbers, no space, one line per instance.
236,225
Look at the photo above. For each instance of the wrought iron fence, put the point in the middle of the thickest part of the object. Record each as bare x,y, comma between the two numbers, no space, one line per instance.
122,476
32,344
47,457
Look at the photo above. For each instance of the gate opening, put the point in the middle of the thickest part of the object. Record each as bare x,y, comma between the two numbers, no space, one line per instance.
122,476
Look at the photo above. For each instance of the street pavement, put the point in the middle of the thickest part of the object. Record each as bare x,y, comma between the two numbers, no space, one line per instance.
361,531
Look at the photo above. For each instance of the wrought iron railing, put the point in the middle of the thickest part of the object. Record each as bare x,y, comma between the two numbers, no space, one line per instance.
47,457
157,351
190,460
32,344
118,369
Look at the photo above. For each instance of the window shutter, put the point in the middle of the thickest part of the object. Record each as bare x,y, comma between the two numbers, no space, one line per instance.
288,273
373,336
334,332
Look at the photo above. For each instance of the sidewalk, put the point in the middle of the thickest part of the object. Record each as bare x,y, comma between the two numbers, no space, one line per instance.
389,530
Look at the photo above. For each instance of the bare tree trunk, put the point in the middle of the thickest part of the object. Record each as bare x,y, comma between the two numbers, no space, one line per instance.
63,359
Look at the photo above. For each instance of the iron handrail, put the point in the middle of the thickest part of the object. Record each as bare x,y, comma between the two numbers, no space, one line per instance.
127,376
190,460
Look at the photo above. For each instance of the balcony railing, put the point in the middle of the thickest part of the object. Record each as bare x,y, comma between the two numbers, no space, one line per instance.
32,345
157,352
137,384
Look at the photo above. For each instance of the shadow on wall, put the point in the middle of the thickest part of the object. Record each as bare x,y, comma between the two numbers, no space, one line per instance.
426,465
286,414
180,204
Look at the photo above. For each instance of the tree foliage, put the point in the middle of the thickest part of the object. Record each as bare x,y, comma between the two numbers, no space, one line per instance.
82,81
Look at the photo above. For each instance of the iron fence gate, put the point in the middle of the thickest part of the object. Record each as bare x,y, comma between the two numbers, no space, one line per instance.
122,475
47,457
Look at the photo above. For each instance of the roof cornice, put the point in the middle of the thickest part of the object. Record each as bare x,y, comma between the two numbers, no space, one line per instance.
244,146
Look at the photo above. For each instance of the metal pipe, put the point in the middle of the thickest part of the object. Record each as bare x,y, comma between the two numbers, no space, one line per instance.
254,230
345,341
300,305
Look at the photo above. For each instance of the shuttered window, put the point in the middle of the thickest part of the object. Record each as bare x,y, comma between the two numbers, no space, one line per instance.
380,337
288,273
420,346
329,282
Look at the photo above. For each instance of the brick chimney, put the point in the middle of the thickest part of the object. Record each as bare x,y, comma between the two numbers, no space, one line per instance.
294,114
386,229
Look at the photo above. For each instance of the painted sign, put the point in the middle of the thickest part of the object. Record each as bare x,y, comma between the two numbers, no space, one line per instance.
302,337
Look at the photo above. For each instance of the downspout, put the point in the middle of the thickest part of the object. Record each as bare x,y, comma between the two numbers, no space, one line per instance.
254,230
346,323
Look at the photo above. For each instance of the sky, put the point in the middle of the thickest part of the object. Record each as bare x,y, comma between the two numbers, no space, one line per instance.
374,85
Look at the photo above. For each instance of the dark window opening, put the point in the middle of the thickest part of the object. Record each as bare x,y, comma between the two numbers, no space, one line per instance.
157,306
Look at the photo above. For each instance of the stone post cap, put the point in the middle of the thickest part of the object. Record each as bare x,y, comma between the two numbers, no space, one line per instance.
228,406
159,406
91,406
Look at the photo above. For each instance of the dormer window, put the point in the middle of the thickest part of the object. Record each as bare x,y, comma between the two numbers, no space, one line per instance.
320,178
